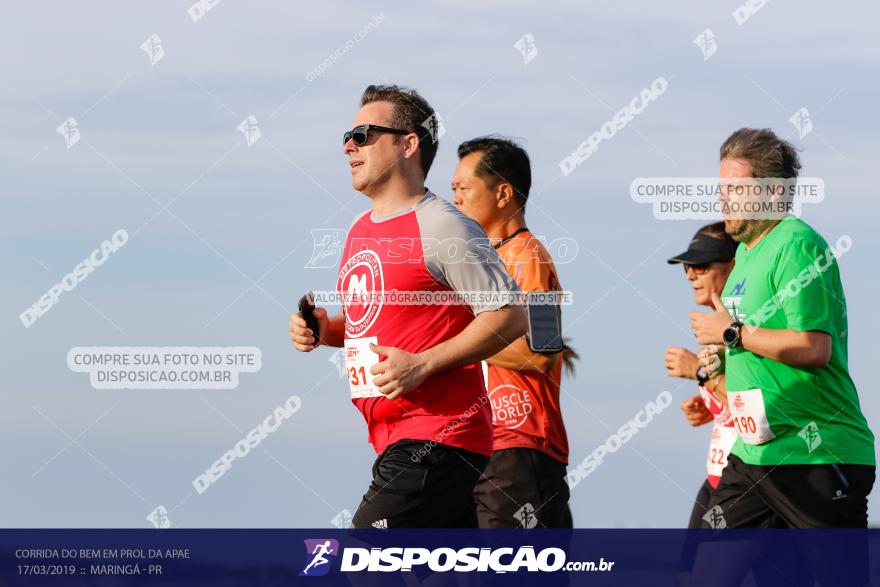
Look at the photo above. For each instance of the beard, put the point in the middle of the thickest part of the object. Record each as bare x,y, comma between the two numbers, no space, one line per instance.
736,228
744,230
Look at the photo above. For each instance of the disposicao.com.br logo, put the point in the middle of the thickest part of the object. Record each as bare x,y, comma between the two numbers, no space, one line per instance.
322,551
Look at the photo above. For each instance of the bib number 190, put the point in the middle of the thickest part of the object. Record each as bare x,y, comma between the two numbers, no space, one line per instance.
750,416
745,425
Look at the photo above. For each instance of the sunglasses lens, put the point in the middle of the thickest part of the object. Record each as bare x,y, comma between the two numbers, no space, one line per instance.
699,268
358,134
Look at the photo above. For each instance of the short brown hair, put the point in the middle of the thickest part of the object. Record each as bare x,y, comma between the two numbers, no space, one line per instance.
411,113
769,155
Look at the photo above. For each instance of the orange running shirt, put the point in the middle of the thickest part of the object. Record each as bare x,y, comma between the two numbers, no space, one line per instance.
525,404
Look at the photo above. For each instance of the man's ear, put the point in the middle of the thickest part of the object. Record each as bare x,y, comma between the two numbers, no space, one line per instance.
410,145
504,194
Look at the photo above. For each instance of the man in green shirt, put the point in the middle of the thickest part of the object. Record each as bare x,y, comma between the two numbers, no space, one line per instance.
805,454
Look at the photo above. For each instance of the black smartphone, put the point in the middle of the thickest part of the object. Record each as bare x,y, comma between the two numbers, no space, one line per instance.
545,328
307,311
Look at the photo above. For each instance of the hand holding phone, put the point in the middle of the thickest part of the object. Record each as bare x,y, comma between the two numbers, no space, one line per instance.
307,311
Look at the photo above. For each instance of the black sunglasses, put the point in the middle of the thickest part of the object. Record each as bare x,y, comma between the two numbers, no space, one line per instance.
699,268
361,133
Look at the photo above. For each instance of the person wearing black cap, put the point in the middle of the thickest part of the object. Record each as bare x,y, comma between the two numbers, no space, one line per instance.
707,262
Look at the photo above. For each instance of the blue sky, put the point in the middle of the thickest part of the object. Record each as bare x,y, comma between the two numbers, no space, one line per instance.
242,215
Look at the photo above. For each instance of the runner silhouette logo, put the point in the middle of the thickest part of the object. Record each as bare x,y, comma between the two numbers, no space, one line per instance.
320,553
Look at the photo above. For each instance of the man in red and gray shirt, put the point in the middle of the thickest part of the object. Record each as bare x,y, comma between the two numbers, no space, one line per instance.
413,368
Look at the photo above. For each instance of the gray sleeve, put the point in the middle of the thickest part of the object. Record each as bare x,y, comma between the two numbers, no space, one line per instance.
459,255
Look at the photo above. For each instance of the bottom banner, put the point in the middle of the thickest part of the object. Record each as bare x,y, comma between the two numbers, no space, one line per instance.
438,557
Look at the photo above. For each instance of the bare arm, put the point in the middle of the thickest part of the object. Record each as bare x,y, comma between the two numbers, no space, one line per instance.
798,349
519,357
487,334
811,348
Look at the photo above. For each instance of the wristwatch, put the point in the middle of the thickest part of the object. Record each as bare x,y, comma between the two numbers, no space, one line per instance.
731,336
702,376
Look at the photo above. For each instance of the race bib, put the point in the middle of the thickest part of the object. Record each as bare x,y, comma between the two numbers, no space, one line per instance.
358,360
750,416
722,441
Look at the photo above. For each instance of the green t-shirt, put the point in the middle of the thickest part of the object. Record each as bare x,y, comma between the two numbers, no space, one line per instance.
790,280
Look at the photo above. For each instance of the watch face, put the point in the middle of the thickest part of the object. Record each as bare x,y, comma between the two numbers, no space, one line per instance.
730,335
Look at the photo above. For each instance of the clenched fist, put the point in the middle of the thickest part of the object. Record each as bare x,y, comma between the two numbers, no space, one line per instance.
681,363
400,372
302,336
695,411
712,358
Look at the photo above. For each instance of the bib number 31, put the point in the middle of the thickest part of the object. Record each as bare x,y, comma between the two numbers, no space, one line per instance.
750,416
358,361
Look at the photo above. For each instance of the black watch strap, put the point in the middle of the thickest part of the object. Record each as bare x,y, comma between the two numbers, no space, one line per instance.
702,377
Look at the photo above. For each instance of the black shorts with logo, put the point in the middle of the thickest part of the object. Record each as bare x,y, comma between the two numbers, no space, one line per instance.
765,567
795,496
523,488
421,484
791,496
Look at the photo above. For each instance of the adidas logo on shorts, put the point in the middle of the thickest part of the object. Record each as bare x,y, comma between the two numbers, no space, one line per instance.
383,524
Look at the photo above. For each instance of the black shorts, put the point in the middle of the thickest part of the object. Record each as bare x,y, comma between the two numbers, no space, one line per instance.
765,567
523,488
791,496
701,505
421,484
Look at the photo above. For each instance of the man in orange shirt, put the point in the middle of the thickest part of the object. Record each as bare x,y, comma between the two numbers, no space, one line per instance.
524,483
